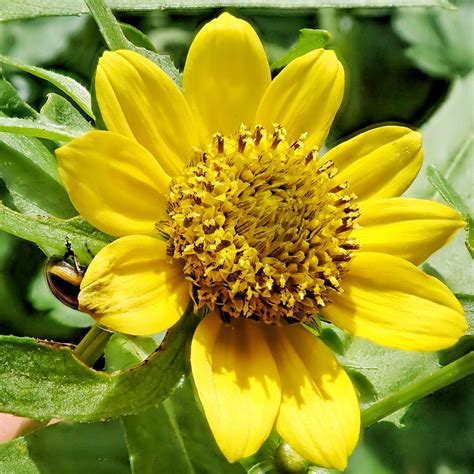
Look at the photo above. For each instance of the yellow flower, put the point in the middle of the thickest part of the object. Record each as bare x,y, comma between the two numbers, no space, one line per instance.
217,193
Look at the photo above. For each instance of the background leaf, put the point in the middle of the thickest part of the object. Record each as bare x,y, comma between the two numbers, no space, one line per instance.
68,449
440,41
35,8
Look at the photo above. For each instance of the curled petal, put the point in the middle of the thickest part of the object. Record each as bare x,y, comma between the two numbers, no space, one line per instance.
379,163
115,183
319,414
138,100
133,287
225,75
305,97
391,302
237,382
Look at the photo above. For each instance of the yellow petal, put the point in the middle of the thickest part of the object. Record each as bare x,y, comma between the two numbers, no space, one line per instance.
225,75
138,100
408,228
305,97
391,302
319,414
380,163
132,286
115,183
237,382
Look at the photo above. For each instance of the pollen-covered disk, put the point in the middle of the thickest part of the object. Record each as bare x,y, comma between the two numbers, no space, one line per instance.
262,230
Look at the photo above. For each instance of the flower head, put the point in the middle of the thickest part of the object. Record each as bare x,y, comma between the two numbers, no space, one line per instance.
218,195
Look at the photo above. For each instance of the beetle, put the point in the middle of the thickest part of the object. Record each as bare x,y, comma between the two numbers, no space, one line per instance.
64,276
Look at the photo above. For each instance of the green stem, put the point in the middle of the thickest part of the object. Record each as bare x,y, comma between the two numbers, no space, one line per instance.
417,390
92,346
108,25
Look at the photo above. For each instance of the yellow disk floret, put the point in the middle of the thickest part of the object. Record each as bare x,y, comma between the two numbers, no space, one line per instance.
261,229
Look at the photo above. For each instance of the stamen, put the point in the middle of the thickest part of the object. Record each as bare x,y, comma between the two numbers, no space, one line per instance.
260,229
220,142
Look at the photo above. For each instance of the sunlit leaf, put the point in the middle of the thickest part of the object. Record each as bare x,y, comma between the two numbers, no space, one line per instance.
44,380
37,128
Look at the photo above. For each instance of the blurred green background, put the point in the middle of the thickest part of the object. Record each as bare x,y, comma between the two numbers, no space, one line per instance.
411,66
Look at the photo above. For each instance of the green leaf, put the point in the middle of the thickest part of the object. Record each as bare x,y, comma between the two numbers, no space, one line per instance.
124,352
38,128
11,103
59,110
114,36
14,457
68,448
50,233
34,8
307,41
42,380
440,41
455,200
174,437
77,92
137,37
30,173
439,182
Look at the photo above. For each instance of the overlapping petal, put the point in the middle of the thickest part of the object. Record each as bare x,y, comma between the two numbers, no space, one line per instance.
305,97
225,75
379,163
238,383
408,228
133,287
138,100
319,414
115,183
391,302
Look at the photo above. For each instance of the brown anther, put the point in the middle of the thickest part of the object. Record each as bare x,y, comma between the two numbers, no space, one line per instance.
326,166
349,245
343,228
220,142
341,258
343,200
339,187
257,134
311,156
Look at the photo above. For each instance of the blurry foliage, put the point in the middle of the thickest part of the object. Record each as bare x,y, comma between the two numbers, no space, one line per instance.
408,66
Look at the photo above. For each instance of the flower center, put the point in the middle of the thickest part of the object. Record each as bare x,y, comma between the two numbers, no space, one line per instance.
262,230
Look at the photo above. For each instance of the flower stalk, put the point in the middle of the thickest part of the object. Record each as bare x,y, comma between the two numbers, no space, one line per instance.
91,348
108,25
441,378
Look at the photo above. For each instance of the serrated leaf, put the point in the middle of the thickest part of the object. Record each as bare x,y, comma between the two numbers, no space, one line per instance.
42,380
73,89
50,233
34,8
308,40
440,41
